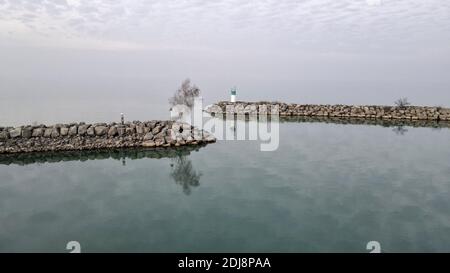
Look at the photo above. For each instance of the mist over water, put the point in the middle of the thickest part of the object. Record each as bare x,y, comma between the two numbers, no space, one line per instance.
80,85
71,61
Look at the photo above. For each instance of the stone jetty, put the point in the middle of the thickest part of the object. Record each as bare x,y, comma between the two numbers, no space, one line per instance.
338,111
82,136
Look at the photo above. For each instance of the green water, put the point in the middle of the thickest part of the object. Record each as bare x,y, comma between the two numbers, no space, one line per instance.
328,188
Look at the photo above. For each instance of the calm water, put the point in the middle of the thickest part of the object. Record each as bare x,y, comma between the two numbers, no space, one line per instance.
328,187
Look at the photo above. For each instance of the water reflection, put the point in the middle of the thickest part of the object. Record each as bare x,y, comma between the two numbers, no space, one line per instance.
399,124
333,191
400,130
117,154
184,173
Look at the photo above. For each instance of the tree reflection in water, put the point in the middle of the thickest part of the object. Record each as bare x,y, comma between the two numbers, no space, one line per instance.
184,173
400,130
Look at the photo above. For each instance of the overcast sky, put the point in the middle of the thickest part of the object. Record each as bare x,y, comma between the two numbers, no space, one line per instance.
314,51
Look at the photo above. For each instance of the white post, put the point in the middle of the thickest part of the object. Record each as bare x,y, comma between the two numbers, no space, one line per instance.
233,95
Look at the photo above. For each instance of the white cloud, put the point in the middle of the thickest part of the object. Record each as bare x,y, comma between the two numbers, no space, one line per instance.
374,2
307,24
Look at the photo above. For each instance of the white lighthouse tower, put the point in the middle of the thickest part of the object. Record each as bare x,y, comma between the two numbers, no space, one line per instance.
233,94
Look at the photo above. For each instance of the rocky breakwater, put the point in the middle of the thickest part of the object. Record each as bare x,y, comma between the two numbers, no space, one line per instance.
81,136
339,111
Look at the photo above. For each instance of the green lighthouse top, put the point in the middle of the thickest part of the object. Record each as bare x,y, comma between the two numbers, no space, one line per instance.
233,91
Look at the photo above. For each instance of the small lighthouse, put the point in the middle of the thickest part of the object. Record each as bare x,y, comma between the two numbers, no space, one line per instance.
233,94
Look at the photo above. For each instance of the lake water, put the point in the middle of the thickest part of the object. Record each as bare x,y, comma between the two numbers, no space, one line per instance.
328,188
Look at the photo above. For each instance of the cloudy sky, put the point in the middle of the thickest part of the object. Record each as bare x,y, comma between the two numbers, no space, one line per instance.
314,51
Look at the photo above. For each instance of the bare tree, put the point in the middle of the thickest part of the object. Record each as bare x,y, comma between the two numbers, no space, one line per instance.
185,95
402,102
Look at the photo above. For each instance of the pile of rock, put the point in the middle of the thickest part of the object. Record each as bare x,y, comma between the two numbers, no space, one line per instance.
343,111
81,136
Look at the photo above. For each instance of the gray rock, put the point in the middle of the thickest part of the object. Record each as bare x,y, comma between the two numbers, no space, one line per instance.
4,135
121,131
176,127
148,136
17,132
140,129
159,142
186,133
82,129
189,139
170,140
101,130
38,132
148,143
112,131
27,132
73,130
214,109
209,137
229,109
156,130
263,109
90,131
55,132
64,131
239,108
129,131
48,132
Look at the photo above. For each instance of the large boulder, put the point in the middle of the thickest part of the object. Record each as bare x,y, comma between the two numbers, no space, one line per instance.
229,109
239,109
159,142
263,109
148,136
112,131
140,129
64,131
208,137
55,132
73,130
48,132
38,132
251,109
197,134
275,109
148,143
90,131
82,129
16,132
101,130
121,131
4,135
176,127
27,132
156,130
